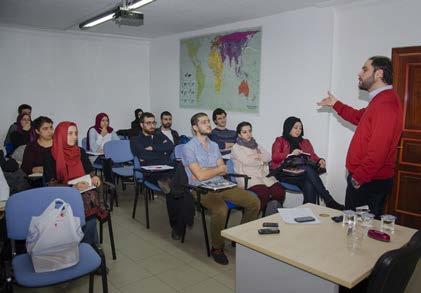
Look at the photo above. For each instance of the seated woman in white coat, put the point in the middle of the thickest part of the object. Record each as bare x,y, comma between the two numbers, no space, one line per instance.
99,134
253,160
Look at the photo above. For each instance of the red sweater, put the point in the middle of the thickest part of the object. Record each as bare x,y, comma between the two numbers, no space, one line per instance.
281,149
373,148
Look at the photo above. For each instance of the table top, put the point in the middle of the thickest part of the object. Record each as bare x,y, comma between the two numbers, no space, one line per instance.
320,249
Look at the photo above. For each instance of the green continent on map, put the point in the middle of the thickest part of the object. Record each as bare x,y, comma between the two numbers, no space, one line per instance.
215,63
192,49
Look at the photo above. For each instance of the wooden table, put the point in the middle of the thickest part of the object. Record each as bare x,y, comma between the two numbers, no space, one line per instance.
305,257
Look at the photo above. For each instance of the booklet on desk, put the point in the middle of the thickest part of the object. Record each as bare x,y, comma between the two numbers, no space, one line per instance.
86,178
289,215
157,167
217,184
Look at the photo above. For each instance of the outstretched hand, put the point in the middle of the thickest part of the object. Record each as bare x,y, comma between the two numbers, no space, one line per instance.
329,101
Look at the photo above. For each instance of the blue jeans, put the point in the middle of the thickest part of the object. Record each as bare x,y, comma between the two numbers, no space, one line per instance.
91,232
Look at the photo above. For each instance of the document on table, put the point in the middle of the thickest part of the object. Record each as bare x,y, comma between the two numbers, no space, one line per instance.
87,179
288,215
157,167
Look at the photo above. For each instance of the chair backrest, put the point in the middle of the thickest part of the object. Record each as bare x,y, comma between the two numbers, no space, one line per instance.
22,206
118,150
138,175
84,143
178,151
394,269
415,240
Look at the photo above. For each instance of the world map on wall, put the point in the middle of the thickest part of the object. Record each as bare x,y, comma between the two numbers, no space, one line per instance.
221,70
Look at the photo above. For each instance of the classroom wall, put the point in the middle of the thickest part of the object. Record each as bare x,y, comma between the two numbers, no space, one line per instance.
72,76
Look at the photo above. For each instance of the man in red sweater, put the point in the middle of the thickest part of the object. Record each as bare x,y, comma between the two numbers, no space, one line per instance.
372,152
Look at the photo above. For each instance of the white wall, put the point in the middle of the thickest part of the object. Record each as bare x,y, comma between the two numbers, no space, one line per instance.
69,76
295,72
362,31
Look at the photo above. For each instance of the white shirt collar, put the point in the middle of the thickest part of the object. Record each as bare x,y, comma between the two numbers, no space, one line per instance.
374,93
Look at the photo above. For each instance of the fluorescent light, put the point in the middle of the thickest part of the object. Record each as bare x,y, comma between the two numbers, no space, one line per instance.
100,20
139,4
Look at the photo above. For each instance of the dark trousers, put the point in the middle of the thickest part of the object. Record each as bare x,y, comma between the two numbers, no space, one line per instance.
265,193
180,211
311,185
373,194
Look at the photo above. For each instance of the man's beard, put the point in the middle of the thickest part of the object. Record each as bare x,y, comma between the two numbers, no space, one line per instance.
150,132
167,126
365,85
203,132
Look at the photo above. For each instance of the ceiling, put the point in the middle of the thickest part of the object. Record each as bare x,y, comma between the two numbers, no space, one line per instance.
162,17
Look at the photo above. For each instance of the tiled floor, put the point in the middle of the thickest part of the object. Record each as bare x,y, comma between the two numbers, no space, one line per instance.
150,261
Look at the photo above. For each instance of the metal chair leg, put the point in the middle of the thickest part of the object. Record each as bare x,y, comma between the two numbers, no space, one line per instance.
111,233
228,218
205,231
136,197
147,208
101,232
91,282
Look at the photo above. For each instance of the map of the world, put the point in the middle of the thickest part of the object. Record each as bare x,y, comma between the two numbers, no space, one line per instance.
221,70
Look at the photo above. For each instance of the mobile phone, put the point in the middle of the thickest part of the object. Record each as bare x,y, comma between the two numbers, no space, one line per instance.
268,231
270,225
338,219
304,219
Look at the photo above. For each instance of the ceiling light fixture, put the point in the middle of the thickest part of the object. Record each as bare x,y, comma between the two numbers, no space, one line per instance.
122,14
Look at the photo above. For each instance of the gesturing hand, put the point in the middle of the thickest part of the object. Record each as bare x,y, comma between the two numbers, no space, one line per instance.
329,101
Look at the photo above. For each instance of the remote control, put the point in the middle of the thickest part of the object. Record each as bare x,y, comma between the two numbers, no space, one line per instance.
269,224
268,231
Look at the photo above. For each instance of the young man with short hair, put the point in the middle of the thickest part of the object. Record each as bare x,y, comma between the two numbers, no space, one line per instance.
225,138
202,161
165,128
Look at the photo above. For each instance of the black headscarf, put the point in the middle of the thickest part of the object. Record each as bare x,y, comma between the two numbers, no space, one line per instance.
136,121
294,142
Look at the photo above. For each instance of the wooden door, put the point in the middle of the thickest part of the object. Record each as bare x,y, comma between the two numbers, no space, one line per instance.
405,201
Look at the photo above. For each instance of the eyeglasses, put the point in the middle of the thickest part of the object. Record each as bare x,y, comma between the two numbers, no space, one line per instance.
150,123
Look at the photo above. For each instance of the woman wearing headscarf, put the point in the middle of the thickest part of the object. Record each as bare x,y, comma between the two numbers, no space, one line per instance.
99,134
67,161
292,143
252,159
22,135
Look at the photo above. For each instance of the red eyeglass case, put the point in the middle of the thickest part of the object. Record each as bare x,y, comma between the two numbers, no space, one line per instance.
378,235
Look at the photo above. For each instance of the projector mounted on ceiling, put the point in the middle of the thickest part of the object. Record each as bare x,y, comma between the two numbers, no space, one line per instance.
122,15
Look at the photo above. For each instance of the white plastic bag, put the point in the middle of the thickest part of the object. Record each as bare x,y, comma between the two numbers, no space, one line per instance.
53,238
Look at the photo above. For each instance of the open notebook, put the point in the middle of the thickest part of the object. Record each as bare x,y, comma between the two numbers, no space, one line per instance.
86,178
217,184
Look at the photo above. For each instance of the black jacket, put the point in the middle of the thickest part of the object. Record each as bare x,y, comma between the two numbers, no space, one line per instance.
162,147
174,133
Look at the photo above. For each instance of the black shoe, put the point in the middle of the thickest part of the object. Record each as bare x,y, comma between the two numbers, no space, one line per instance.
175,235
219,256
333,204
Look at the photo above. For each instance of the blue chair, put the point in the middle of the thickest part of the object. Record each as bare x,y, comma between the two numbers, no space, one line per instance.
120,153
140,183
96,166
178,151
20,209
295,189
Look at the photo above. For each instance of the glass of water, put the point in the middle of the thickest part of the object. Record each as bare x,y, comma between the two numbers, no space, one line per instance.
348,218
359,211
388,223
367,219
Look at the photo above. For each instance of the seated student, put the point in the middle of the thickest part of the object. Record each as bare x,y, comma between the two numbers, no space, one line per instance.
253,160
165,129
225,138
24,108
67,161
292,143
202,160
35,152
152,147
136,122
21,136
99,134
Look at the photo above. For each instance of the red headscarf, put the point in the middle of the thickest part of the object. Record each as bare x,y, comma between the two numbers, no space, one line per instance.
68,163
98,128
